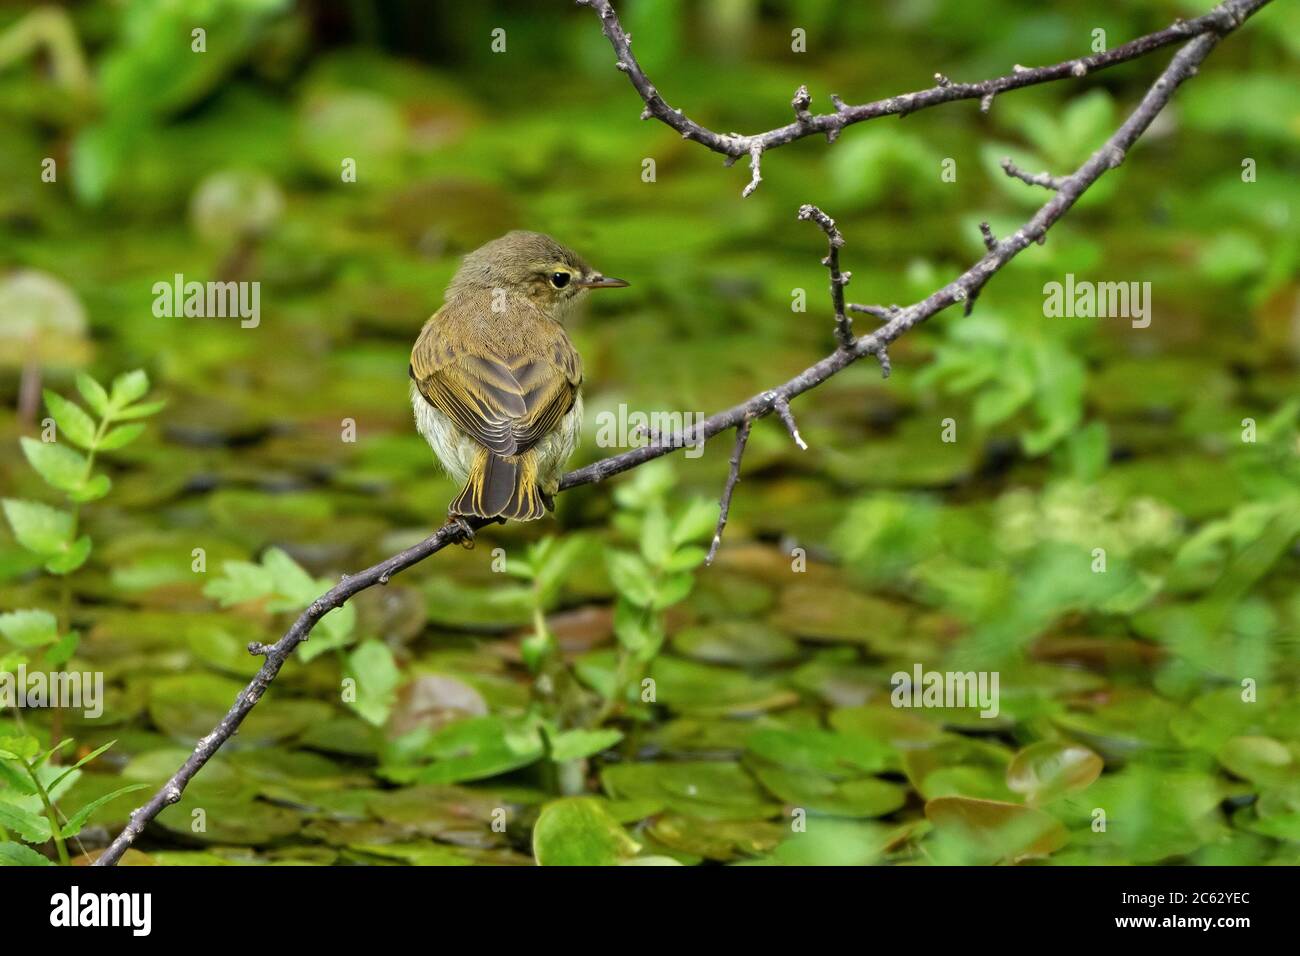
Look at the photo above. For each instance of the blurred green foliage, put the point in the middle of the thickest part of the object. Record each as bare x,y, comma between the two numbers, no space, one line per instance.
130,157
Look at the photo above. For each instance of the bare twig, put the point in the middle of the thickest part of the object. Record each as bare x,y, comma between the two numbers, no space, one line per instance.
1207,31
843,324
990,240
782,408
882,312
1046,180
733,476
755,163
1222,19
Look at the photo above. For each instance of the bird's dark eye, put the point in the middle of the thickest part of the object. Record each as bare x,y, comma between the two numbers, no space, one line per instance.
560,279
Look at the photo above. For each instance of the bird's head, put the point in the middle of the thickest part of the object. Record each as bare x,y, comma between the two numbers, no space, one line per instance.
531,265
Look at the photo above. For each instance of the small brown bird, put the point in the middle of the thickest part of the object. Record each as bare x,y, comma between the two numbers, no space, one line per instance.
495,381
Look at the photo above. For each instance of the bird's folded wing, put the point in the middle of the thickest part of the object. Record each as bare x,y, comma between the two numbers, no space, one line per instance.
507,406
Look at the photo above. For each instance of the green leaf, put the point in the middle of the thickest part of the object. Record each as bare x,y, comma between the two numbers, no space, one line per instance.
143,410
21,747
29,826
78,819
95,488
73,557
29,628
580,831
289,579
16,854
61,652
631,577
655,543
240,581
554,570
334,630
578,743
93,393
128,387
685,559
38,527
696,522
47,754
79,764
671,589
1049,768
972,831
119,437
71,419
472,749
61,467
14,778
636,629
372,666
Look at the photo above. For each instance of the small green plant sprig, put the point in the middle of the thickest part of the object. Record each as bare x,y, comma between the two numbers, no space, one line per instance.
558,702
31,781
50,533
545,566
30,785
278,584
659,574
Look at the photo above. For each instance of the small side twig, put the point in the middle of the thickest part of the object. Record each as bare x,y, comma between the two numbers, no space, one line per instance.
802,100
882,312
1046,180
733,476
843,324
990,240
782,406
755,169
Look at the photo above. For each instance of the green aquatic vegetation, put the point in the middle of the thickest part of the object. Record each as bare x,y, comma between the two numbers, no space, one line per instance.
649,580
462,716
50,533
32,785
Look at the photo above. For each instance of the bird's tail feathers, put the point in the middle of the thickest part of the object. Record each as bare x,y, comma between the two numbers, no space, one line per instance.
501,488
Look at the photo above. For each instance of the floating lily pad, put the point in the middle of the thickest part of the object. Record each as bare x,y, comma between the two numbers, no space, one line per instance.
835,676
822,613
241,822
708,790
505,606
735,642
1212,719
973,831
433,700
452,814
1261,760
854,797
472,749
1150,813
188,706
1048,768
716,840
343,734
1122,724
900,728
958,766
691,687
826,841
437,854
822,751
579,831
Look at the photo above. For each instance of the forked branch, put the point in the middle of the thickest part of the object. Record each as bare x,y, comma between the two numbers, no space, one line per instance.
1222,19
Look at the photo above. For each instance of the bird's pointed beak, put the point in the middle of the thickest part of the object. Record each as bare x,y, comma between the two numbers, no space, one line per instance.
598,281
